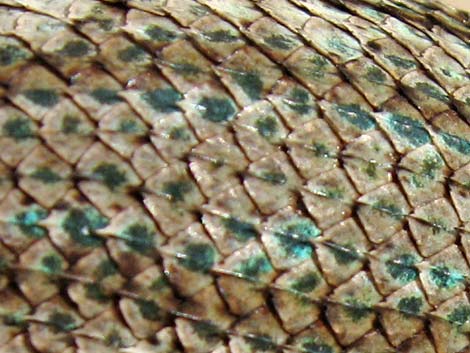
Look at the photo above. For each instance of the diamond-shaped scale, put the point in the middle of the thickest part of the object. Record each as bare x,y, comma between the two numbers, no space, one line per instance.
234,176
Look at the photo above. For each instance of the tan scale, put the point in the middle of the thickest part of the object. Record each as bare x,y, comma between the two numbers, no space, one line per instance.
234,176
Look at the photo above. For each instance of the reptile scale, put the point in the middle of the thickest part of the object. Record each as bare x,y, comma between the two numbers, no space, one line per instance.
234,176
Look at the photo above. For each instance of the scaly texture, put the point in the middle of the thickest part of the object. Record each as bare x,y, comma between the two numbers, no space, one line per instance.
234,176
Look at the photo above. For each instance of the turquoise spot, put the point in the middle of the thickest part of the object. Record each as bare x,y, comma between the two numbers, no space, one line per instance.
62,322
75,49
444,277
160,34
27,222
293,247
267,127
410,305
216,109
402,268
279,41
106,96
298,101
109,175
243,231
344,254
132,54
220,36
81,224
198,257
70,125
46,98
460,315
411,130
456,143
250,82
34,216
149,310
176,190
163,100
255,266
46,175
18,128
401,62
306,283
51,264
433,92
15,319
10,54
355,115
302,229
139,238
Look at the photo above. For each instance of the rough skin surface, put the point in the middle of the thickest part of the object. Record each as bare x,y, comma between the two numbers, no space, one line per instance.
234,176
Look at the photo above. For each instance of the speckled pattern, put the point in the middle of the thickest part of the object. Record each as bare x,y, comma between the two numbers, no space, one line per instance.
234,176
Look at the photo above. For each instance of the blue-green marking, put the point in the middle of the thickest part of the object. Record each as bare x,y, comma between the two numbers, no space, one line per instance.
80,224
198,257
444,277
139,238
164,100
110,175
355,115
106,95
11,54
27,222
250,82
216,110
456,143
18,128
411,130
242,230
46,98
410,305
402,268
46,175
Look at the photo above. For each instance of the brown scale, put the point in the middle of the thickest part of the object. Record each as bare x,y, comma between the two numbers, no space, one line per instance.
231,176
